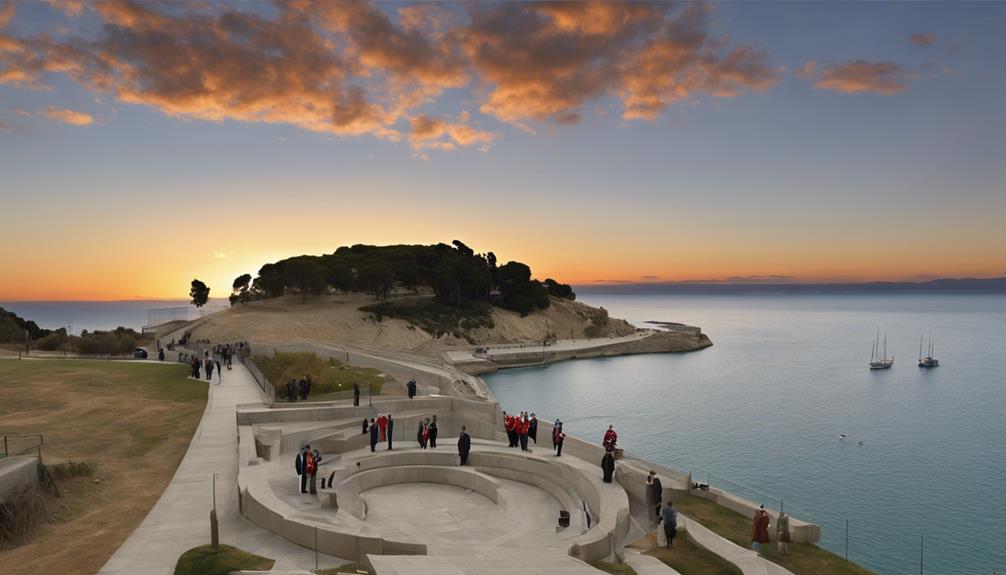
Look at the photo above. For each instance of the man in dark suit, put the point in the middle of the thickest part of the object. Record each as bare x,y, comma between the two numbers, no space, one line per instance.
298,464
356,395
373,436
391,428
464,445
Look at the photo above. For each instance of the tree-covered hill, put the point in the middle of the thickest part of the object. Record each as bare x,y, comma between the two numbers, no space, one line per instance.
457,276
12,328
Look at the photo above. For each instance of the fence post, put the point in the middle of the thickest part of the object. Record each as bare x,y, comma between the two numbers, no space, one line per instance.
846,540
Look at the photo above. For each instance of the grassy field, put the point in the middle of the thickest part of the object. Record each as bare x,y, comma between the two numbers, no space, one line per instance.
689,559
330,376
132,421
205,561
803,559
613,568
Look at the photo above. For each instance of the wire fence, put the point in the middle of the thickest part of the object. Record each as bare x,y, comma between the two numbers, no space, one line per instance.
849,537
20,444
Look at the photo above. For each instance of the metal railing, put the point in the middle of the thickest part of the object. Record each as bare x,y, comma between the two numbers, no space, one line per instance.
260,379
21,444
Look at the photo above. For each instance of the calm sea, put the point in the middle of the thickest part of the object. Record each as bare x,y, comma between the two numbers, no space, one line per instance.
760,413
99,315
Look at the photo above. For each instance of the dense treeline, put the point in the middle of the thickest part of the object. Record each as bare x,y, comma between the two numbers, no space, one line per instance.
457,275
13,328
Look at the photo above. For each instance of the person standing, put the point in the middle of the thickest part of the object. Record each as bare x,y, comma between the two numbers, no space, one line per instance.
373,436
382,424
209,369
305,468
315,464
656,493
523,426
308,382
464,445
559,438
555,429
782,538
356,394
220,373
669,517
302,385
532,431
391,430
759,529
411,387
291,391
610,438
608,466
434,430
510,423
298,465
419,435
365,426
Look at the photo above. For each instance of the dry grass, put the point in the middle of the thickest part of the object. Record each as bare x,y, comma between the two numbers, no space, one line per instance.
133,422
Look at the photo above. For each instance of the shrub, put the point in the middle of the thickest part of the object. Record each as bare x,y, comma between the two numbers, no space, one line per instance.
328,375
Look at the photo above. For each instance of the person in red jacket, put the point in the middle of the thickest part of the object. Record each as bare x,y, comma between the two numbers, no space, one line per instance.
522,428
610,438
510,422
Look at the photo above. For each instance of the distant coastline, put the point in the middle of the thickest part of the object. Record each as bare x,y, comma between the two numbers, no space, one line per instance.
948,285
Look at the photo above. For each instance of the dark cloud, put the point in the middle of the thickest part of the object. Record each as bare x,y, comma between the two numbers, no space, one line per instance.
858,76
350,68
922,39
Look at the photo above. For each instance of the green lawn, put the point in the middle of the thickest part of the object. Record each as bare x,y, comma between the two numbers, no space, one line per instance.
114,432
205,561
689,559
803,559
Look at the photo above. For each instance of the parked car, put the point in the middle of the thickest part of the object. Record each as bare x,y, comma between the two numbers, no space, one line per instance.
140,353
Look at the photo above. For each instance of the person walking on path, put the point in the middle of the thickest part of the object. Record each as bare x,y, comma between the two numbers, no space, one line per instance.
209,369
655,493
434,430
608,466
782,533
291,391
356,395
759,529
220,373
464,445
373,436
610,438
391,429
669,517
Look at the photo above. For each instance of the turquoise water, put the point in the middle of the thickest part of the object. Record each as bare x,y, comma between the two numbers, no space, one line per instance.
761,412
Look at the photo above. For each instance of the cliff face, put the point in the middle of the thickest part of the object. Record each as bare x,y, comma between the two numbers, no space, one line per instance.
338,319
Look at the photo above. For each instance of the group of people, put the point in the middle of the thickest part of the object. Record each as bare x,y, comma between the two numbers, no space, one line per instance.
521,427
427,433
380,429
206,365
303,386
307,463
760,526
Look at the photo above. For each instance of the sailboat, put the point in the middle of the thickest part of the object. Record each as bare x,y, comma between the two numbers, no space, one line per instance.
878,361
929,360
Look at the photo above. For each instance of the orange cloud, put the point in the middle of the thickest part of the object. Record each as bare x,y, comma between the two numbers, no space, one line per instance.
922,39
68,116
347,68
434,133
859,76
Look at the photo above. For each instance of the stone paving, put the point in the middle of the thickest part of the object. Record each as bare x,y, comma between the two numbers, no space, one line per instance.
180,519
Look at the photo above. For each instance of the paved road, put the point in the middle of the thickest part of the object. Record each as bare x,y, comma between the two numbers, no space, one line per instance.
180,519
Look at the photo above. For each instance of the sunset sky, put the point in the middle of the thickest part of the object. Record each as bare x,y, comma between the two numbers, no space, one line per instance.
143,145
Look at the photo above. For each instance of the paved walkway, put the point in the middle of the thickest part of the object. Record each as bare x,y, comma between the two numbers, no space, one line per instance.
180,519
646,565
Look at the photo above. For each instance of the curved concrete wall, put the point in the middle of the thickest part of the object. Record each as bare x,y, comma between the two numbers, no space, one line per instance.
349,493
